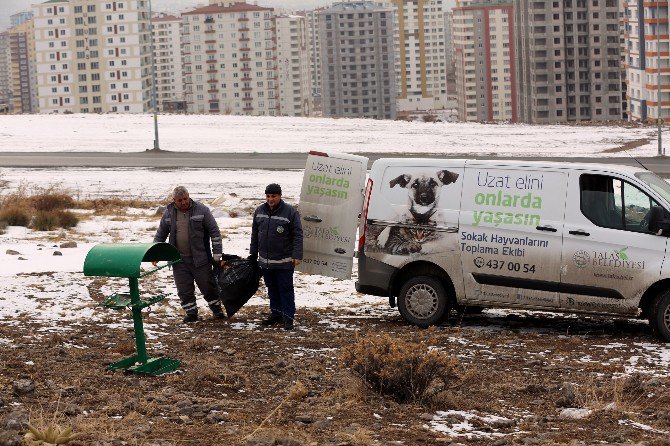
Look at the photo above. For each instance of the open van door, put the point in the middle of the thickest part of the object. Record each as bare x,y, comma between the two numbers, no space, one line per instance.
330,202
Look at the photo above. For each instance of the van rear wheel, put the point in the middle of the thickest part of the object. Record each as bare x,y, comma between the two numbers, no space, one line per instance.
423,301
659,317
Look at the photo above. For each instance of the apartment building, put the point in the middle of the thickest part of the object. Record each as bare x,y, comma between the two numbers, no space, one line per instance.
647,60
422,79
357,61
569,64
230,59
22,76
5,58
93,56
314,44
168,63
484,56
20,18
293,66
450,67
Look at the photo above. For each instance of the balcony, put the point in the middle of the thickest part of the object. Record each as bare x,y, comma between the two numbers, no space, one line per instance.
210,61
245,59
214,90
247,89
246,69
248,109
210,52
243,29
210,31
245,49
212,81
212,71
243,19
244,39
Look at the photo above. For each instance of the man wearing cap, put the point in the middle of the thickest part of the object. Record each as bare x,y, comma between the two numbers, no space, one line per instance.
190,226
276,243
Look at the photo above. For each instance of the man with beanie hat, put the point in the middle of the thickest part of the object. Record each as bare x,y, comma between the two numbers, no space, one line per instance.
276,243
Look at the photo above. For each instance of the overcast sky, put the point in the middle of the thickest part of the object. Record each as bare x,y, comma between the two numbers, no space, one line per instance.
9,7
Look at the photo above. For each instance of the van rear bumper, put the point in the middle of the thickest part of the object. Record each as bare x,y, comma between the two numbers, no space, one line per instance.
374,277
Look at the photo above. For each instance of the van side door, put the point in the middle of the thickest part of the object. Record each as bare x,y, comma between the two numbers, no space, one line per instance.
510,235
609,255
330,202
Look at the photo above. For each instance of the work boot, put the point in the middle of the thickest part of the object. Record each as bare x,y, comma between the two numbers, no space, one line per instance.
288,324
190,317
271,320
218,314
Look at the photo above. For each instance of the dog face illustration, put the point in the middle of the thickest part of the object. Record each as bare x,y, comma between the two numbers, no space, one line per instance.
424,190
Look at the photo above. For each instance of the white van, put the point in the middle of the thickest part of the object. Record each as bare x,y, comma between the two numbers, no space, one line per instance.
441,234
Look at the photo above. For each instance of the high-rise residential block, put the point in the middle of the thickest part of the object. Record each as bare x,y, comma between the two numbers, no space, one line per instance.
20,18
422,79
647,60
230,59
314,45
168,63
449,43
22,78
484,56
5,58
357,61
93,56
569,64
293,66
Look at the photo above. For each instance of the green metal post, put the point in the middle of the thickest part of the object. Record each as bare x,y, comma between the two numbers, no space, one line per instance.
140,339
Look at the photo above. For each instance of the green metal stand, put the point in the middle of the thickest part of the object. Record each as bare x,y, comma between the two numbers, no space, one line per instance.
124,261
140,362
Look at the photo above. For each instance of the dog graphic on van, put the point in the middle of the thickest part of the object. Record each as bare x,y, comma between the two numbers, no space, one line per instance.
423,192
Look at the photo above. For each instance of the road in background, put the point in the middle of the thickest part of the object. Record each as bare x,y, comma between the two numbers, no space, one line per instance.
272,161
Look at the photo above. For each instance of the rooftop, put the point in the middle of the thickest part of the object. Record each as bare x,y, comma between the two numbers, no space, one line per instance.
219,8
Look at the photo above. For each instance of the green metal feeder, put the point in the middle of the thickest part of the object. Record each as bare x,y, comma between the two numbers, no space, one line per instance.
123,260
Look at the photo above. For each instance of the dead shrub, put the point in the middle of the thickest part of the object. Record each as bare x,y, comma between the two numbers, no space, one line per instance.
429,118
45,221
15,216
114,204
51,201
3,226
67,219
405,371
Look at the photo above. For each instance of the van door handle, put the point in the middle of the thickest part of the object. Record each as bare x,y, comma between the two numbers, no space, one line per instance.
313,219
579,232
546,228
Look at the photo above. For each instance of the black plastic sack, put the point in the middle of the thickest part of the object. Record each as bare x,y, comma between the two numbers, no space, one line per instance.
237,282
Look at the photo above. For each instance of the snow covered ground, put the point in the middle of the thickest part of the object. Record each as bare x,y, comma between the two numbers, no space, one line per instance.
243,134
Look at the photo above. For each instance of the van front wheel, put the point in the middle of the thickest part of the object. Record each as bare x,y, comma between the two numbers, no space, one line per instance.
423,301
659,319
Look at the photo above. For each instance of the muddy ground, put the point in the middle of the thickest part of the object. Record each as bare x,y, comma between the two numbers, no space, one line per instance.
516,375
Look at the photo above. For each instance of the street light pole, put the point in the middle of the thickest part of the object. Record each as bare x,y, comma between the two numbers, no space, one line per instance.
153,80
659,120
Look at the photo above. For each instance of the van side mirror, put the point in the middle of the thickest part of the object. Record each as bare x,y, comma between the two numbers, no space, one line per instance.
658,224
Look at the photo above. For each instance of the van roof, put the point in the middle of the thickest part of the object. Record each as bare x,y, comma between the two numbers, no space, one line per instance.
621,168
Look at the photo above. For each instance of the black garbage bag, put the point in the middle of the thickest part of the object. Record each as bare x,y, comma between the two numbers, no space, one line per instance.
237,282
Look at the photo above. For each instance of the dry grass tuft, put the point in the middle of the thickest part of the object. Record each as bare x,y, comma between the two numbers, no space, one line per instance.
14,215
51,201
298,392
405,371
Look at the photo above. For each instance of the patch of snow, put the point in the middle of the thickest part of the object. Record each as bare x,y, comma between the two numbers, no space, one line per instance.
446,422
573,413
230,134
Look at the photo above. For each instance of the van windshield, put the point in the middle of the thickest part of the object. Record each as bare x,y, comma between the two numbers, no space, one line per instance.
657,183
